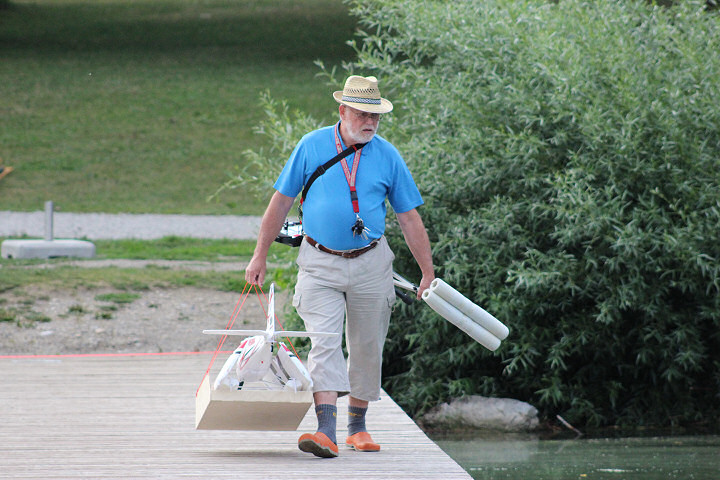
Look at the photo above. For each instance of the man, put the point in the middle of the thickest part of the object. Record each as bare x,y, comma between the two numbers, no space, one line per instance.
345,263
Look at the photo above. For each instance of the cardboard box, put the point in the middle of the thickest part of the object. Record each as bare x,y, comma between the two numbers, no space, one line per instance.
249,409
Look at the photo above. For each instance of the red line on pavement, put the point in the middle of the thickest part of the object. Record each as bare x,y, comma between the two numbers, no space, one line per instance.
75,355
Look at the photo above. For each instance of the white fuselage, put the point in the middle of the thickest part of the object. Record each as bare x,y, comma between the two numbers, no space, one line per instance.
251,361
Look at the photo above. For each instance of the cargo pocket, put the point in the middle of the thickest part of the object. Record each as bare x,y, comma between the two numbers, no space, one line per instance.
385,323
391,299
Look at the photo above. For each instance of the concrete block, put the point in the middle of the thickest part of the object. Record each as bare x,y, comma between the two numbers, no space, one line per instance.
23,249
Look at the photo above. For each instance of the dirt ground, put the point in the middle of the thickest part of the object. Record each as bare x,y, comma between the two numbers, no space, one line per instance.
43,321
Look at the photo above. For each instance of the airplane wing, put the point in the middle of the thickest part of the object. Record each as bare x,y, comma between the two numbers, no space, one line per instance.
279,334
270,332
305,334
239,333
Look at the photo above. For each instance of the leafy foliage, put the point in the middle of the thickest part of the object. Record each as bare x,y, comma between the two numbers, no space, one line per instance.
569,157
568,153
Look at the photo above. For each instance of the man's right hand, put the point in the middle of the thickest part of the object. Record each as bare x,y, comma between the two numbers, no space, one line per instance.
256,270
272,222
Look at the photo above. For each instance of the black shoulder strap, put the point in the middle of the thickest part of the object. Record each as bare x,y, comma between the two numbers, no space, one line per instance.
322,168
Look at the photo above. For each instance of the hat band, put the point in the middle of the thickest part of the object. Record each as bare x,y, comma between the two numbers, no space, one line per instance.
371,101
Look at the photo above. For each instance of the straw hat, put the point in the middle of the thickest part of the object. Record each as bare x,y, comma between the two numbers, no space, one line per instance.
362,93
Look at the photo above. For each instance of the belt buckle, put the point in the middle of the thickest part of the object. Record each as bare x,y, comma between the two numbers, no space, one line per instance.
354,253
344,254
359,251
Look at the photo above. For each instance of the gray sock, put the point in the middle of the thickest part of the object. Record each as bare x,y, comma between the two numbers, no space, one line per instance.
356,420
327,420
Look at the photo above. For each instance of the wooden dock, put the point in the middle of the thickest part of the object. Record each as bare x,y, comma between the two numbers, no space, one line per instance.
132,417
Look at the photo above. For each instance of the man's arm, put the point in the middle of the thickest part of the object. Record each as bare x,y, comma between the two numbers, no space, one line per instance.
272,222
417,240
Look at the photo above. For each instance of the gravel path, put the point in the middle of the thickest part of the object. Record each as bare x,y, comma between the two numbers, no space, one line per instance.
45,321
104,226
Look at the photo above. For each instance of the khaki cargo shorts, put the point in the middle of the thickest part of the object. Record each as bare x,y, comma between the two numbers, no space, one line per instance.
333,291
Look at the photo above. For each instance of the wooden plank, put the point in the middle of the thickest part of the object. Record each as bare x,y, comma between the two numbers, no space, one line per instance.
133,417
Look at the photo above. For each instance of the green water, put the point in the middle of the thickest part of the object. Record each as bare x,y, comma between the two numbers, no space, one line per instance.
526,457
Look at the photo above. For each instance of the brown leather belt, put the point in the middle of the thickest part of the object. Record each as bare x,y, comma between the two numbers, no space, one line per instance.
342,253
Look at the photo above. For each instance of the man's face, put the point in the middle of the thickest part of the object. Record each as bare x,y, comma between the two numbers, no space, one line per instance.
359,127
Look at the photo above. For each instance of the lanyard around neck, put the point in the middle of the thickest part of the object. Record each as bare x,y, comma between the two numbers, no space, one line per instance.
350,175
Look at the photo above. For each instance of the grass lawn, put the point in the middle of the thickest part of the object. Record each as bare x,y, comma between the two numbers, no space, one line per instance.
145,106
20,273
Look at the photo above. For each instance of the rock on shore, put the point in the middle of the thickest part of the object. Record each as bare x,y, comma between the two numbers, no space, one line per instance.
477,412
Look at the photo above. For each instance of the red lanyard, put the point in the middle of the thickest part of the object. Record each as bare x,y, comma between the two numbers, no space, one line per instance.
350,176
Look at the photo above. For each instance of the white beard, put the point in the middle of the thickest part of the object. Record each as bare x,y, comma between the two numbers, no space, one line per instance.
359,135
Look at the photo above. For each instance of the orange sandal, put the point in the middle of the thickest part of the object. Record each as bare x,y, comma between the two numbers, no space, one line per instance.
362,442
318,444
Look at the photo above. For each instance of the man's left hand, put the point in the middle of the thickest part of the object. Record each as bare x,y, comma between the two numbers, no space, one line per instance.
424,284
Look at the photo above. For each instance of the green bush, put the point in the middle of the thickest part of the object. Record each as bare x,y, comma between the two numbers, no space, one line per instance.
568,154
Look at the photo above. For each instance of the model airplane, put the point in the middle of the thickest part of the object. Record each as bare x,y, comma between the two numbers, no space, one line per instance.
263,362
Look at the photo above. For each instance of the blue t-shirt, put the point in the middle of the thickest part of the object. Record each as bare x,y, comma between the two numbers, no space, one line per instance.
328,212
